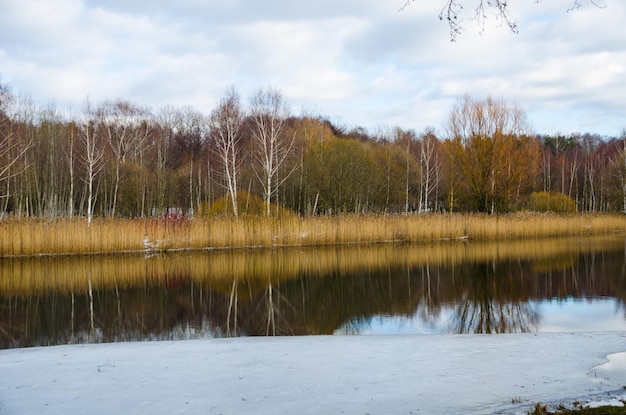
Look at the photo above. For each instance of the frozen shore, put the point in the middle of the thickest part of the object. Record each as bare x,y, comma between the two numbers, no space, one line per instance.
452,374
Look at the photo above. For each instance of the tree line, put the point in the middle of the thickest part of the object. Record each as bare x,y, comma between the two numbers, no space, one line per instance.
119,159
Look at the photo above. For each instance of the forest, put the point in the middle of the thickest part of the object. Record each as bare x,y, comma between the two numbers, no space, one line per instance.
119,159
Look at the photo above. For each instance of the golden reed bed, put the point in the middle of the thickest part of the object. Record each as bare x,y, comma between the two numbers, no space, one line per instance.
26,237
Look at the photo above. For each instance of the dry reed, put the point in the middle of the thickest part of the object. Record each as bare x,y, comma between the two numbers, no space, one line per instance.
41,237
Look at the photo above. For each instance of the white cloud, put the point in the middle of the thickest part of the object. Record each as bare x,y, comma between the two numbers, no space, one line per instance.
363,62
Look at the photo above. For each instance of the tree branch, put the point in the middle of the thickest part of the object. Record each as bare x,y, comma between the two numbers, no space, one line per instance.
452,11
577,5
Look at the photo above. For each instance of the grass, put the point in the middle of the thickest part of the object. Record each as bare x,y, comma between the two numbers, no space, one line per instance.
602,410
29,237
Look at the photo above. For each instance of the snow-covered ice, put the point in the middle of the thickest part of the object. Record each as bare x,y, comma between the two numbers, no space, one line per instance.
395,374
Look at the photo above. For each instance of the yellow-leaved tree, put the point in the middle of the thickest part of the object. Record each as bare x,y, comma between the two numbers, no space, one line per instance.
492,157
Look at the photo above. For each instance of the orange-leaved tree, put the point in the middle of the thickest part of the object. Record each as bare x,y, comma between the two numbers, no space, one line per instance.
493,159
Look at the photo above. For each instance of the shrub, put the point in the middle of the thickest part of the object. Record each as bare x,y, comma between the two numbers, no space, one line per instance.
551,202
247,204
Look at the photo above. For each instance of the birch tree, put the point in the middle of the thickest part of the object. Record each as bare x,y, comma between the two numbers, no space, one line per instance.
226,123
13,146
121,122
407,139
622,163
92,157
591,170
616,172
167,154
272,147
430,166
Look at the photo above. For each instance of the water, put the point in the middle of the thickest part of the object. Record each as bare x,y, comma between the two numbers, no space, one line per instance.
553,316
559,285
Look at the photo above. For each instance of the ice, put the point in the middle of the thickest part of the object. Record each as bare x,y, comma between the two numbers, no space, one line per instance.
401,374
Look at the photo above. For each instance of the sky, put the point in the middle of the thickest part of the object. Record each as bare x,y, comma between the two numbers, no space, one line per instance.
358,63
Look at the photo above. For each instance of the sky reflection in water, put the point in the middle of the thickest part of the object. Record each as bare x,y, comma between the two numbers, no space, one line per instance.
556,316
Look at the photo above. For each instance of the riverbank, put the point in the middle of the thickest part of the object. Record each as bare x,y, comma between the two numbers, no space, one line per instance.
452,374
32,237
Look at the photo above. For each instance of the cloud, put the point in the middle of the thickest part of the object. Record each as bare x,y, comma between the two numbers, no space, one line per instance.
365,63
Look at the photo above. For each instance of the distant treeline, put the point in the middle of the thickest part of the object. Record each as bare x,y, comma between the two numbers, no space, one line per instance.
118,159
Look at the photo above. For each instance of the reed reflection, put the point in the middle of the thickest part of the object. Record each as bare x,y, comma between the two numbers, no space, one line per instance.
490,287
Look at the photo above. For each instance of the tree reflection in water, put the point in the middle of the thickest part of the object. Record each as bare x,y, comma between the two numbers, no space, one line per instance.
430,307
232,310
486,289
490,304
276,321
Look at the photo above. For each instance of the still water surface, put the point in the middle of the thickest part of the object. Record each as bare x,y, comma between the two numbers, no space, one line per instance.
558,315
449,287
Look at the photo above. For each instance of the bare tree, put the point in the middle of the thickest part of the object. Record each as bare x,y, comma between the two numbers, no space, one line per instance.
618,167
430,167
592,166
168,121
192,137
92,156
226,123
412,171
13,147
623,176
70,155
269,114
121,124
